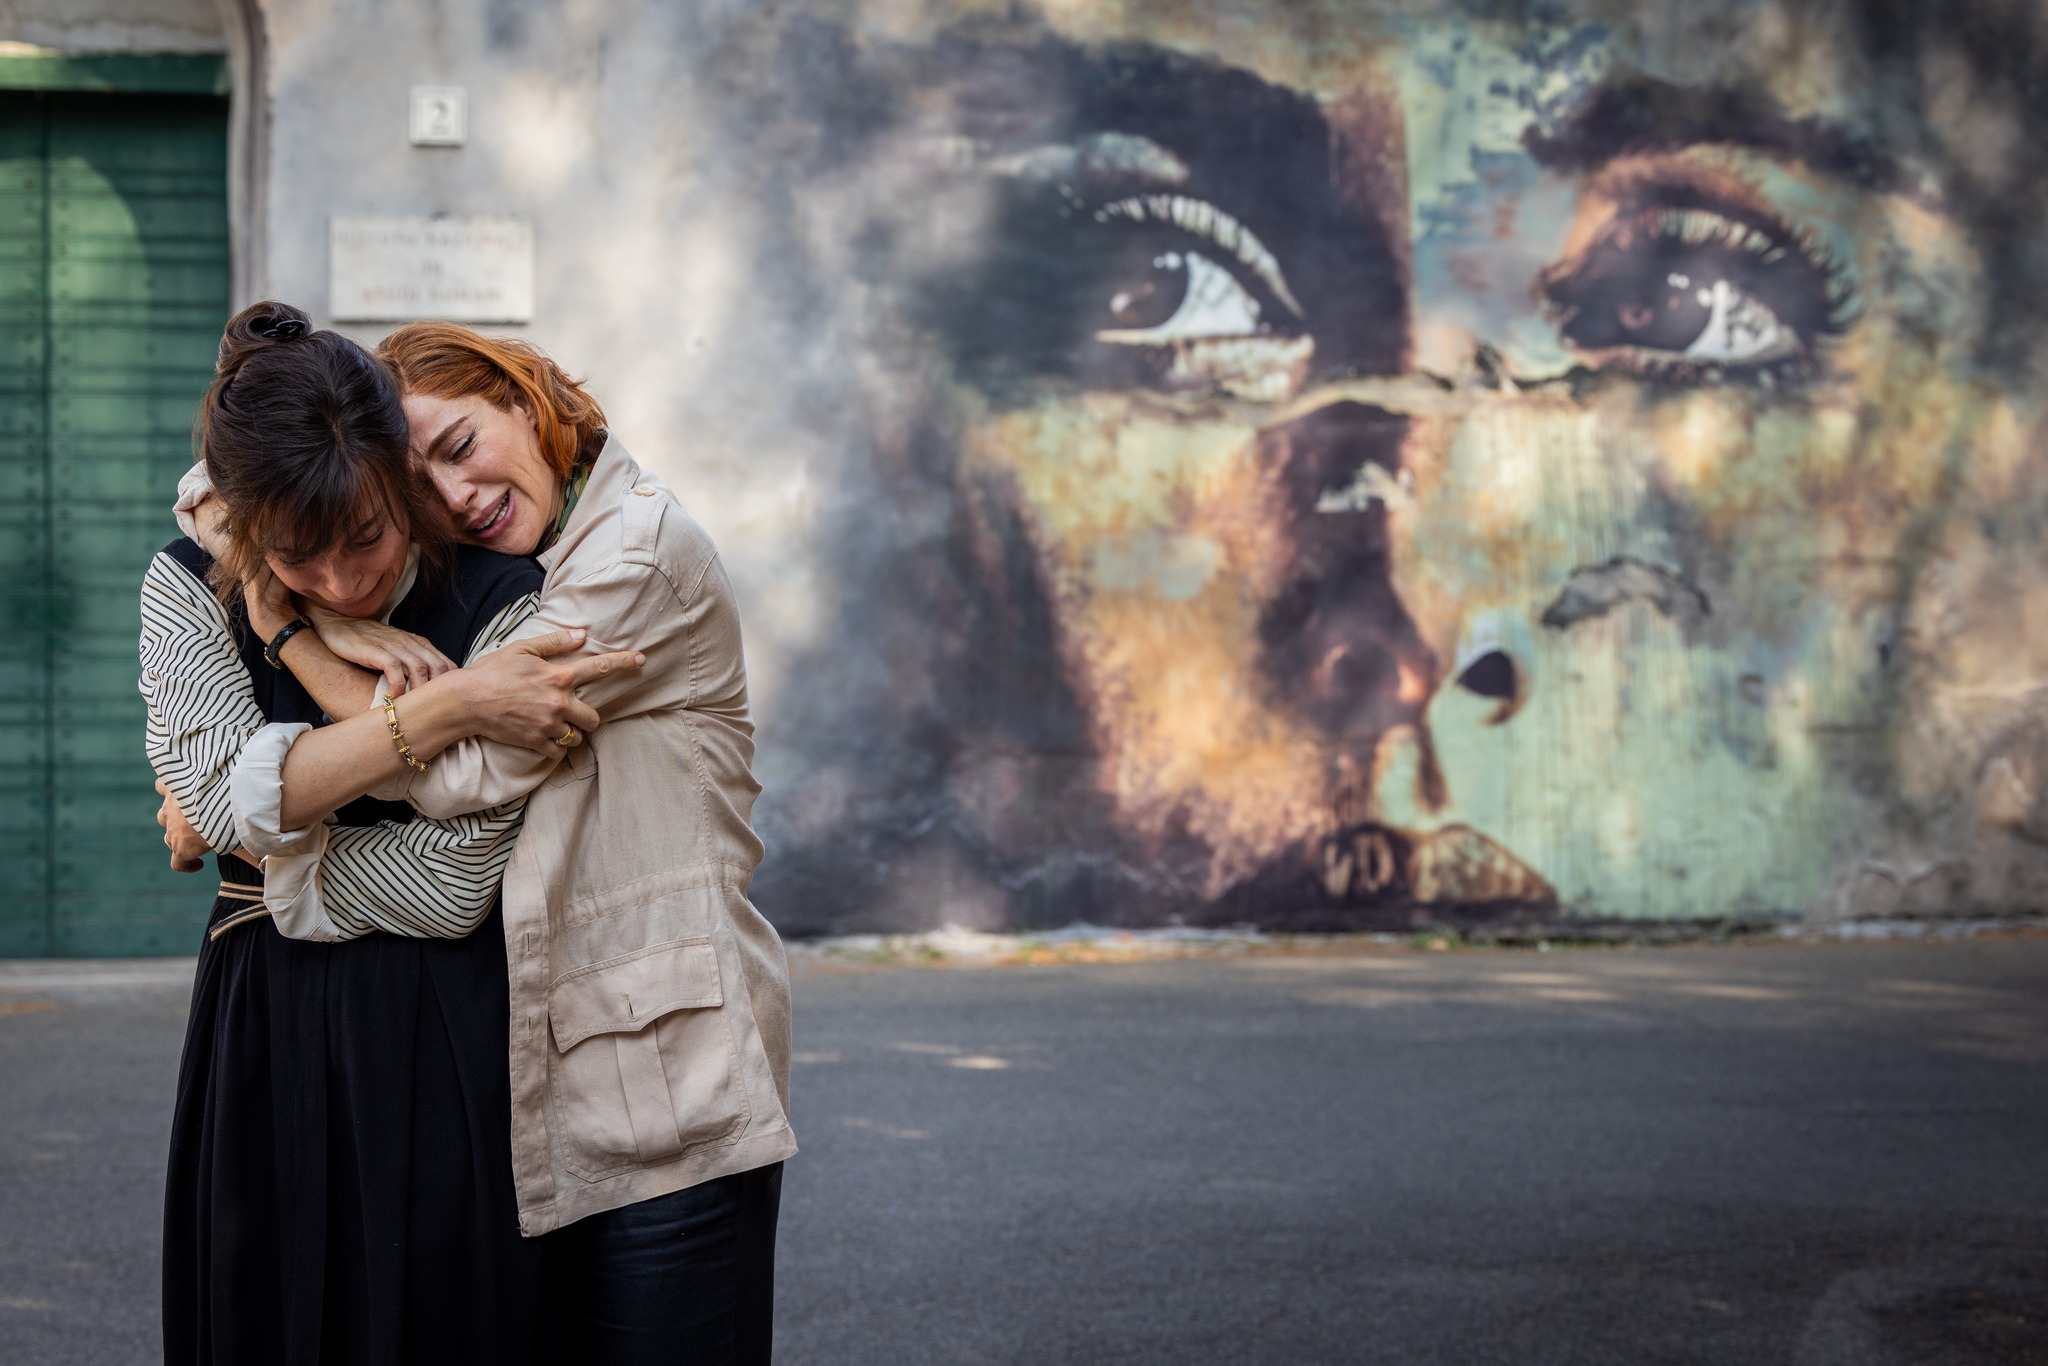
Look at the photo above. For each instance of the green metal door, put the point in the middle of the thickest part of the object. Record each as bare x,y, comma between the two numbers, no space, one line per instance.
113,288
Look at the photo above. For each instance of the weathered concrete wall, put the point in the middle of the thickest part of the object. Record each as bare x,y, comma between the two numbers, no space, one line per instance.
1314,463
92,26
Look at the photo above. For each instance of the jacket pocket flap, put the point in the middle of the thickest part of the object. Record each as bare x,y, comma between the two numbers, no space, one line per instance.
626,994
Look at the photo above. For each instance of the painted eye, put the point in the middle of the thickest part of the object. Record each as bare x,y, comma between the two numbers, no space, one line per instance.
1692,292
1719,323
1182,296
1186,298
1155,291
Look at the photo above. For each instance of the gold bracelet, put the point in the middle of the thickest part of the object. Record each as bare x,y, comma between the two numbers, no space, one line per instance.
398,738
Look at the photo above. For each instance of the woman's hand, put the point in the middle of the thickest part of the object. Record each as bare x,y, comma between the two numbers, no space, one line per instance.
405,660
520,696
270,604
211,516
188,847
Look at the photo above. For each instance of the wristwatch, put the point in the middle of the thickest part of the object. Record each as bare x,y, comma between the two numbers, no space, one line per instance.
291,628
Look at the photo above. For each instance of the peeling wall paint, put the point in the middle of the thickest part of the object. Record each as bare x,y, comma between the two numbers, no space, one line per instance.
1322,465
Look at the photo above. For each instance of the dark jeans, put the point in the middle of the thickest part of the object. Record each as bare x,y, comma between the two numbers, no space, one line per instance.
686,1279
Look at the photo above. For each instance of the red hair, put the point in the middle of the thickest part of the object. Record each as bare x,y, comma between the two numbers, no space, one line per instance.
450,361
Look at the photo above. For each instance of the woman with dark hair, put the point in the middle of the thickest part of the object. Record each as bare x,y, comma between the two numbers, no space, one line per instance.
339,1184
649,998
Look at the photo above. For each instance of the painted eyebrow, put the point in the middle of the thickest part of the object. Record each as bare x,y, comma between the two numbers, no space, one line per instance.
1651,116
1096,155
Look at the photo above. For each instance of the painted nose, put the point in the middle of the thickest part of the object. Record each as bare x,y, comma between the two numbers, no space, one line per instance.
1340,646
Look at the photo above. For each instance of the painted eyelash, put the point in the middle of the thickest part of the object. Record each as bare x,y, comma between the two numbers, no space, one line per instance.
1204,219
1682,213
1707,227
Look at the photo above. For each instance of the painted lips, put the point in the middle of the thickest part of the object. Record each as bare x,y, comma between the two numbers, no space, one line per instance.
1454,865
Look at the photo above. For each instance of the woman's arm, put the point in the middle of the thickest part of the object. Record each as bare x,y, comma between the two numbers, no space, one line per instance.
684,621
515,696
426,879
346,664
435,879
423,879
200,706
517,700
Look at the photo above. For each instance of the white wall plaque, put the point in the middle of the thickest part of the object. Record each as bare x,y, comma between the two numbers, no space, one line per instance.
440,116
472,270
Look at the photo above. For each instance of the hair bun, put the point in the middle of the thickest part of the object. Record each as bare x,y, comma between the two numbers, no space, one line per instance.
257,328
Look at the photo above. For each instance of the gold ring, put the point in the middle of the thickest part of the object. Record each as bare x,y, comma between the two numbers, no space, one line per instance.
568,738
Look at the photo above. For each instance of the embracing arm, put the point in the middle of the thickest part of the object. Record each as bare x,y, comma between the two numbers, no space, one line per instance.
424,879
357,748
201,707
680,629
514,695
430,879
627,607
500,721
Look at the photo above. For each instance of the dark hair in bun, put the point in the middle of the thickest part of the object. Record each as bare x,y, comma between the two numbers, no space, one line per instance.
303,436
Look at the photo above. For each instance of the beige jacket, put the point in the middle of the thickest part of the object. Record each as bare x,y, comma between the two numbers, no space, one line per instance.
650,1000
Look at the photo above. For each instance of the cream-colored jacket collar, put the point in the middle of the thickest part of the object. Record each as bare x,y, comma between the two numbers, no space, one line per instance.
611,478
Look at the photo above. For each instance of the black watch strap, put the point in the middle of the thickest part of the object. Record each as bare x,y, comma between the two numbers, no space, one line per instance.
291,628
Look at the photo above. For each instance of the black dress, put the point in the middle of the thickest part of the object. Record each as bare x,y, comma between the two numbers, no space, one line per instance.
340,1184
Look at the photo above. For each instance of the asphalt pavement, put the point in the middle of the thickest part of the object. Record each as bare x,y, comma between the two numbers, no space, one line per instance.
1823,1154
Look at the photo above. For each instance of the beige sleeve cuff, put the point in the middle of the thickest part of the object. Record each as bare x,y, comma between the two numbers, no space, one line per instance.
256,790
291,890
291,858
471,775
194,489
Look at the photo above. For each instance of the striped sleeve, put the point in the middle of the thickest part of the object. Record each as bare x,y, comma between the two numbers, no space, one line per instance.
425,879
201,707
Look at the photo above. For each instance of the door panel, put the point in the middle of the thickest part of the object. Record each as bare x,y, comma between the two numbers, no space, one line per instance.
113,289
25,796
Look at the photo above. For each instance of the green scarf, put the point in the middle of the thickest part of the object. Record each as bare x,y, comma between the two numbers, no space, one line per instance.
578,477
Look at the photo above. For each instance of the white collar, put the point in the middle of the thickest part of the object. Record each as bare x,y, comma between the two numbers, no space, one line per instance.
406,580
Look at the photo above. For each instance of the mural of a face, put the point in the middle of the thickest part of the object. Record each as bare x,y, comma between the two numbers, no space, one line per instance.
1460,473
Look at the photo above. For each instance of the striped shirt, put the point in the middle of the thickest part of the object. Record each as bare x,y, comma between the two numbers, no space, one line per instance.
426,879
